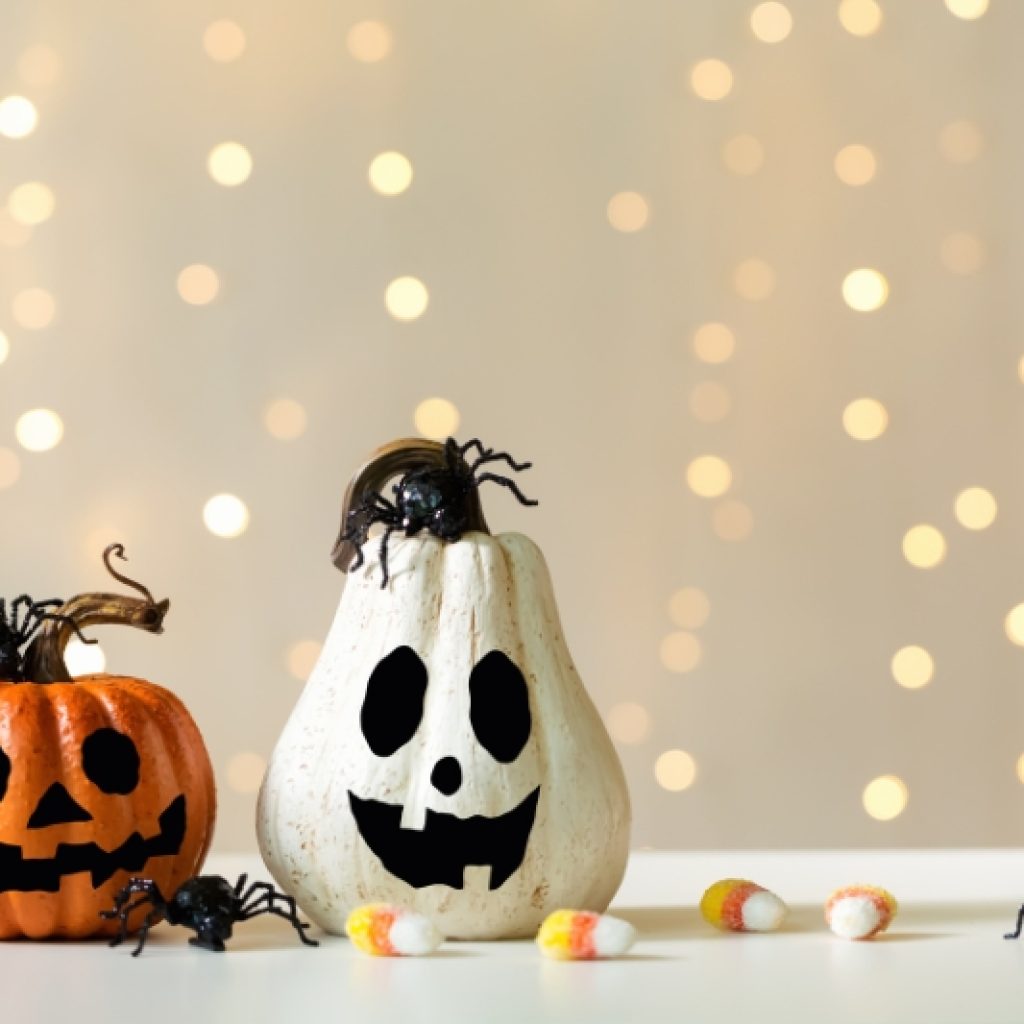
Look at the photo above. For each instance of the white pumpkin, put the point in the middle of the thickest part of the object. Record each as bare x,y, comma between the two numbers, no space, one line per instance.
469,776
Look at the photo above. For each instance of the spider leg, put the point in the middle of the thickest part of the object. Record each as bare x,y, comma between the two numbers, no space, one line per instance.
266,903
510,484
240,885
1015,934
31,608
463,449
41,617
490,456
151,919
384,554
148,892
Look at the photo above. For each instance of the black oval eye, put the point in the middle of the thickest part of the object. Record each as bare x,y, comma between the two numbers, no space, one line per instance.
5,772
393,705
111,761
499,706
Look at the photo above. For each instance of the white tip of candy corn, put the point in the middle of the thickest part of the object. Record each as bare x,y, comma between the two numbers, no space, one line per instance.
584,935
860,911
381,929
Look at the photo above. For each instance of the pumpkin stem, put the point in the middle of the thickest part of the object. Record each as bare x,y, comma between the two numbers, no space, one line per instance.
390,460
44,659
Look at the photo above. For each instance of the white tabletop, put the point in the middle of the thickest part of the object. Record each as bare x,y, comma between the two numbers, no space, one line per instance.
943,960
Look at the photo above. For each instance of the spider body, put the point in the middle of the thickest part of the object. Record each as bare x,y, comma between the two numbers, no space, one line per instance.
209,905
430,497
19,622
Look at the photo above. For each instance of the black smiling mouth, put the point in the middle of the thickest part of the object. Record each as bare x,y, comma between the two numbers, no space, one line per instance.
18,874
440,852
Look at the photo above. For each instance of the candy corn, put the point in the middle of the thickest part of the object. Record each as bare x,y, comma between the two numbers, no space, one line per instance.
735,904
381,929
584,935
860,911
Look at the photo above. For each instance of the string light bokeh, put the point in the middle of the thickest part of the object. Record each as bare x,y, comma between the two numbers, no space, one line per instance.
735,276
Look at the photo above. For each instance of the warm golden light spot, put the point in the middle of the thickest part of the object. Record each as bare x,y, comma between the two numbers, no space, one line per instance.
962,253
912,667
198,284
31,203
865,419
226,516
710,402
1015,624
689,608
302,658
968,10
924,546
406,298
680,652
975,508
436,418
732,520
229,164
369,41
743,154
1020,369
709,476
711,79
865,290
84,659
886,797
855,165
961,142
628,723
628,211
860,17
10,468
33,309
39,430
18,117
12,234
754,280
713,343
5,347
390,173
1020,767
39,66
675,770
245,772
285,419
224,40
771,22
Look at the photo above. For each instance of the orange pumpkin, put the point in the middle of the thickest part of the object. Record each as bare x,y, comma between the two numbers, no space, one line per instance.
101,778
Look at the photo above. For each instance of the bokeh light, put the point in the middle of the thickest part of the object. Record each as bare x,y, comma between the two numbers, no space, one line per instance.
436,418
245,772
732,520
709,476
975,508
855,165
961,142
689,608
84,659
390,173
754,280
369,41
12,234
39,430
886,797
229,164
10,468
33,309
865,419
39,66
285,419
710,402
714,343
743,155
962,253
198,284
628,211
924,546
224,40
31,203
865,289
5,348
406,298
18,117
711,79
226,515
680,652
771,22
628,723
302,658
860,17
675,770
1014,625
912,667
967,10
1020,768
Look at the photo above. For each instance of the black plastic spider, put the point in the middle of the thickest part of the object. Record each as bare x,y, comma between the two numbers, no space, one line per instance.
430,497
18,626
208,904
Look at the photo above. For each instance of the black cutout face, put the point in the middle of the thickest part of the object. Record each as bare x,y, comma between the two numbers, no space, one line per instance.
111,762
440,852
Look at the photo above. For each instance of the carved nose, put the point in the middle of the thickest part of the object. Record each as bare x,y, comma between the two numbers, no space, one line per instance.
446,776
56,807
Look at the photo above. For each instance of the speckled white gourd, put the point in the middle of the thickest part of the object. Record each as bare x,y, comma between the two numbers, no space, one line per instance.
452,603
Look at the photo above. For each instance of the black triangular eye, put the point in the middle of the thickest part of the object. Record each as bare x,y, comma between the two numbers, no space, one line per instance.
499,706
393,705
5,772
110,760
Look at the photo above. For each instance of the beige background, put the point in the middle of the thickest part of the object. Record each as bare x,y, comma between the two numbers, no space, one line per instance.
563,339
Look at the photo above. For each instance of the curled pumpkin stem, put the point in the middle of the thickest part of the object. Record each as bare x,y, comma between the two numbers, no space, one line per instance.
118,549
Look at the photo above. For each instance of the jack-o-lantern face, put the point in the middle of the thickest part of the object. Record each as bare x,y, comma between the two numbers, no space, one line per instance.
499,714
110,762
